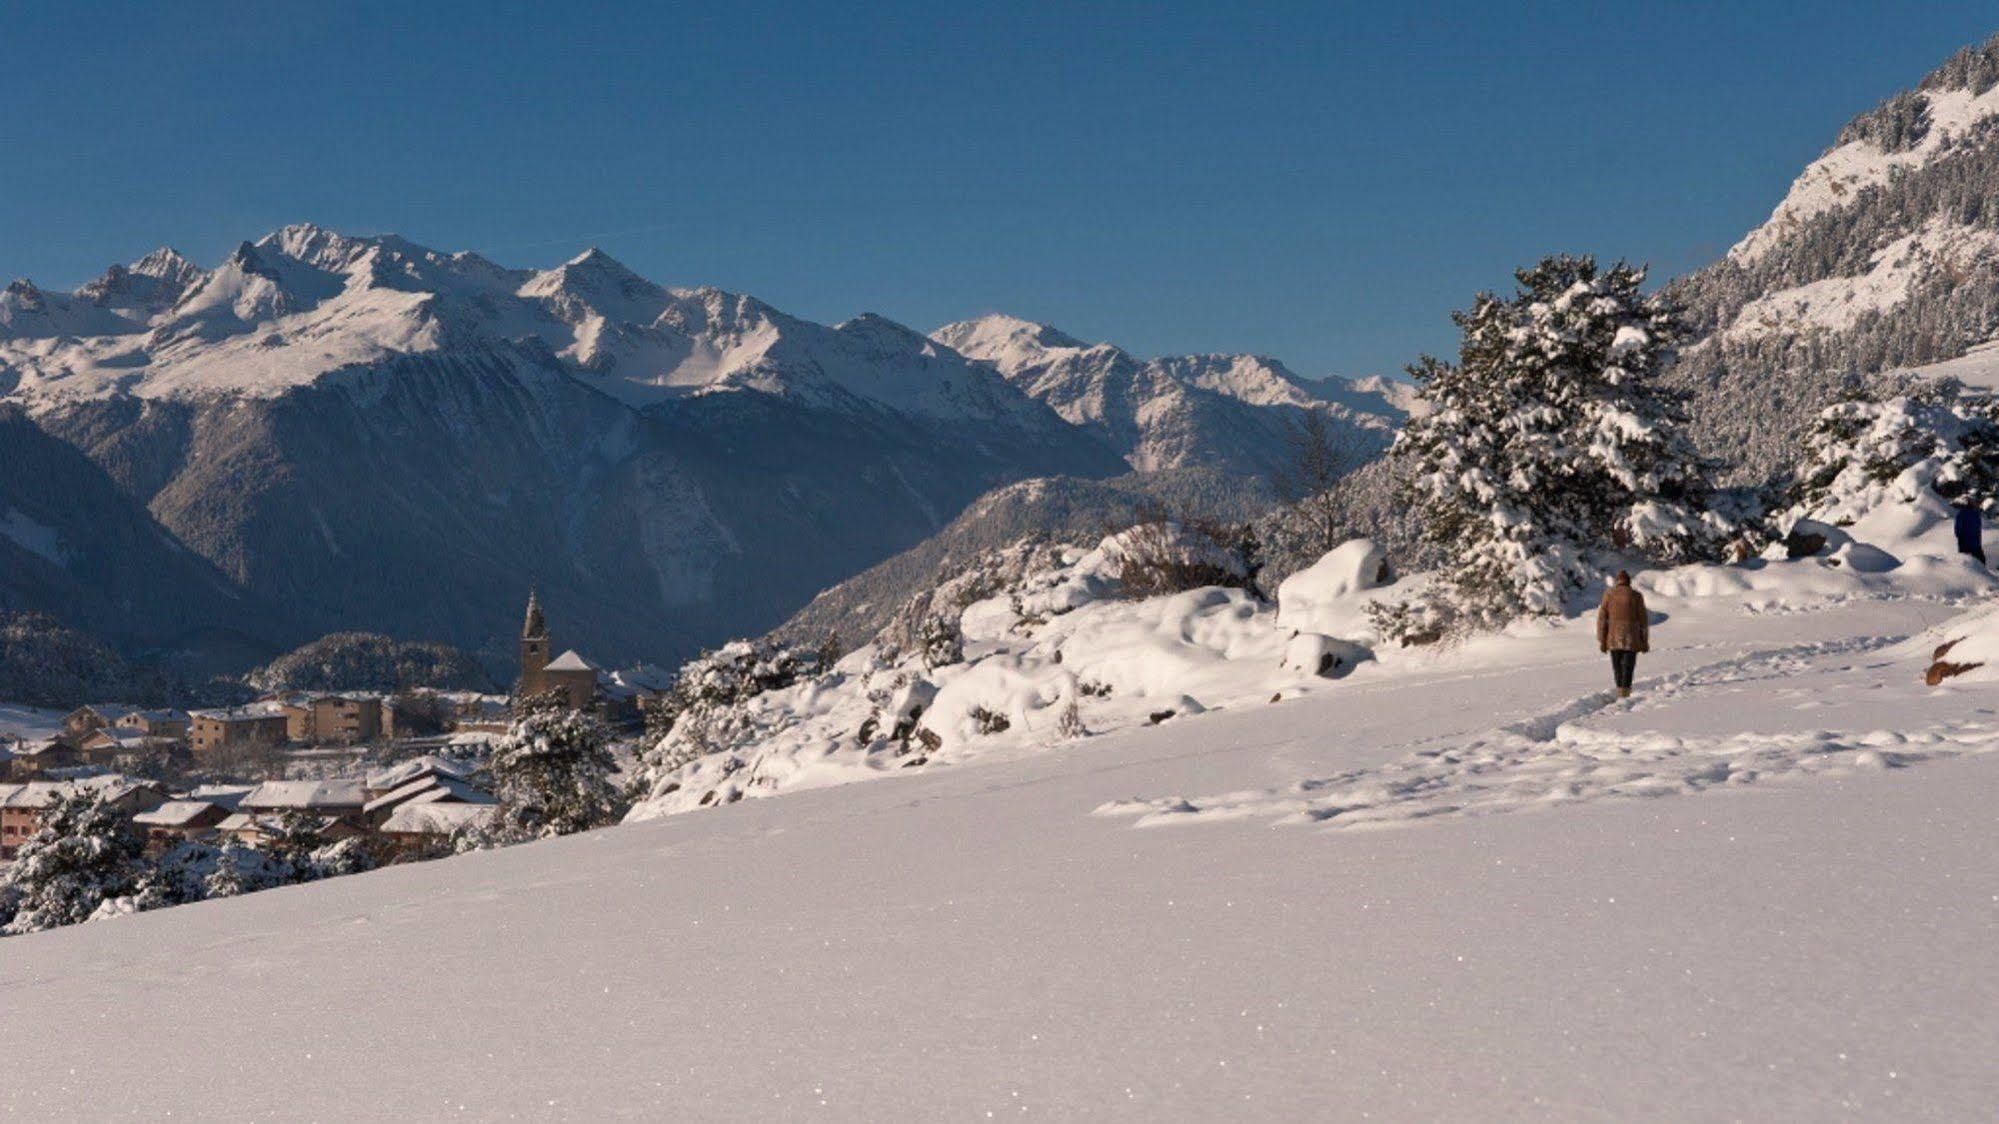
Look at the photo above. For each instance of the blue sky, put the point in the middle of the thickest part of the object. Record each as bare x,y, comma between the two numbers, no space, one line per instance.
1319,182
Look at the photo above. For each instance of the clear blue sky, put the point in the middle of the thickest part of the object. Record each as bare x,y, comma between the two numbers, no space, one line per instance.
1319,182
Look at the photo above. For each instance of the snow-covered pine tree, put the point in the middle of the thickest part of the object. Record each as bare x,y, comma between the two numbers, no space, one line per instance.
290,838
1862,449
1550,438
244,870
552,775
85,854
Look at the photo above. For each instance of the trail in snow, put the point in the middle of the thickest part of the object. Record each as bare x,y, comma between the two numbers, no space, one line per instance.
1559,758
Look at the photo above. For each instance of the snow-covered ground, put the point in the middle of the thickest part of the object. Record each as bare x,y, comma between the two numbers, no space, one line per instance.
1795,922
28,723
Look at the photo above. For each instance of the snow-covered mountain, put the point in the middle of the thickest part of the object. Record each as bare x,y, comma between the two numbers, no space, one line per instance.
1231,412
364,433
1883,255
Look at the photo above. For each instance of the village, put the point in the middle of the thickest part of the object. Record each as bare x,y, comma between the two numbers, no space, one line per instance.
401,770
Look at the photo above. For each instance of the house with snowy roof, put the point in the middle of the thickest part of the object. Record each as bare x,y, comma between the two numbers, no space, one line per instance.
417,826
122,747
255,829
178,821
162,723
429,789
212,732
22,806
395,776
36,758
83,720
344,797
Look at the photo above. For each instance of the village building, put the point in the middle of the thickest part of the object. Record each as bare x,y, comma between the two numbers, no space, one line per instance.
22,806
212,732
388,778
426,790
84,720
168,724
418,826
121,748
343,797
179,821
39,758
616,696
254,830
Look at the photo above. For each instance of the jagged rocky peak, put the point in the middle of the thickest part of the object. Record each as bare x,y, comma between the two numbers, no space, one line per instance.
166,264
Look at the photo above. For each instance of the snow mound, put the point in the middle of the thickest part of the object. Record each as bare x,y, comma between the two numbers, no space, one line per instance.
1324,597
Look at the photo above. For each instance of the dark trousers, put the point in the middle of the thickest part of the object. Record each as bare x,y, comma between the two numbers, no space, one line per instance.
1623,665
1976,550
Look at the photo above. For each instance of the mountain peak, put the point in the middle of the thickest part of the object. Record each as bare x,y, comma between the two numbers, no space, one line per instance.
166,264
1006,341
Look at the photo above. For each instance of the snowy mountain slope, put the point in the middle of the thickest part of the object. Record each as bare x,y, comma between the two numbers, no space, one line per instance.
1883,255
1222,411
70,536
989,938
371,434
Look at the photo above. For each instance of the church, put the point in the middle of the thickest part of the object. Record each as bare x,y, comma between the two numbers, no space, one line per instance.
616,695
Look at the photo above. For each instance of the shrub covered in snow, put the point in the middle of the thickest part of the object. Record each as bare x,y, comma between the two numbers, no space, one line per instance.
1549,439
1166,556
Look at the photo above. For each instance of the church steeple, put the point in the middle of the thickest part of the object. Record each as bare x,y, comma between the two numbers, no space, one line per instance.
535,625
534,648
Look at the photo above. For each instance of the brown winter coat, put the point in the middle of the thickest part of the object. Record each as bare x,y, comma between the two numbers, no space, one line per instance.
1620,621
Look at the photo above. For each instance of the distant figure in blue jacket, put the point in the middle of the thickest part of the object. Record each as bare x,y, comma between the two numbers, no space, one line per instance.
1970,531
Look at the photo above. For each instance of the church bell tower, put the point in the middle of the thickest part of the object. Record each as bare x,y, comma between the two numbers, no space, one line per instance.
534,648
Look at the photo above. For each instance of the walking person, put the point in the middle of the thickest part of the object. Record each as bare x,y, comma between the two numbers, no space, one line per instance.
1970,526
1623,630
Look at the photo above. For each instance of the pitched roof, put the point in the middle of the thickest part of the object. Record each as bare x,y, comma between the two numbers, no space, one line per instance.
245,713
430,789
125,739
437,819
283,795
397,775
175,813
227,795
43,794
572,660
110,712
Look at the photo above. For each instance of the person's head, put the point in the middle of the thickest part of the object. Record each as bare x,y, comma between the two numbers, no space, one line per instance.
1623,577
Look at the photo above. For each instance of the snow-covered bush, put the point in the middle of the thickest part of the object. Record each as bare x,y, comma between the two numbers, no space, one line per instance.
1861,448
942,641
236,869
1549,440
1169,557
86,853
552,776
734,672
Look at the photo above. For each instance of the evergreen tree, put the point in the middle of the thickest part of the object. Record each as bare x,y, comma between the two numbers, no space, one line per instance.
552,775
244,870
1861,448
1549,439
85,854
